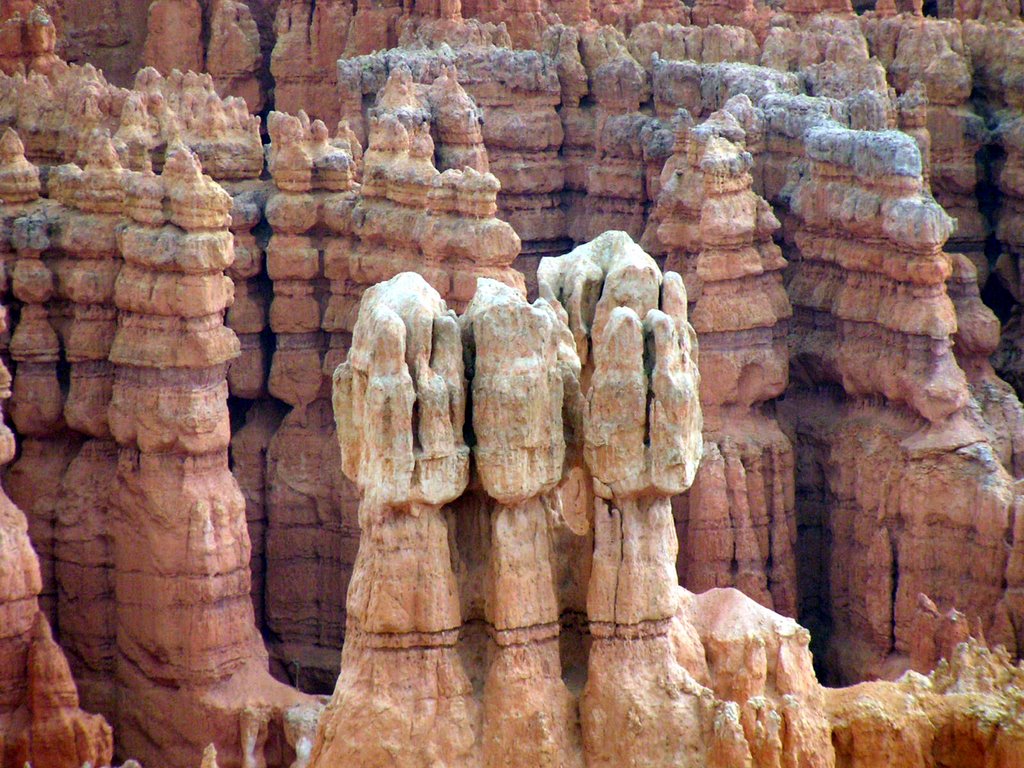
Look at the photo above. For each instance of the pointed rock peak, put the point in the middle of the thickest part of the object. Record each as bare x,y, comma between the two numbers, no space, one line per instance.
11,147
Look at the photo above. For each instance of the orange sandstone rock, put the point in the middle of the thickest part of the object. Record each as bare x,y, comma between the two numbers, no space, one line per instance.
174,36
28,39
40,719
721,674
233,54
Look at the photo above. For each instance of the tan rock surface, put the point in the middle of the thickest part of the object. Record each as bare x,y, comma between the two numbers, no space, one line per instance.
522,376
233,53
838,483
935,447
321,257
178,511
40,719
403,603
719,679
718,235
174,36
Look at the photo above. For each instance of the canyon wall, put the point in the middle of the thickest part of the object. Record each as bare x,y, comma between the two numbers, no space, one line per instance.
839,195
40,719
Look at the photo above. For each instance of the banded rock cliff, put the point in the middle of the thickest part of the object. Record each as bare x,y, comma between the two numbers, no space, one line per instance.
40,719
854,289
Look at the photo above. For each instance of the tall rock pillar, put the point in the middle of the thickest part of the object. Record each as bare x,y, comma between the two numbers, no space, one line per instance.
642,428
403,698
191,664
526,418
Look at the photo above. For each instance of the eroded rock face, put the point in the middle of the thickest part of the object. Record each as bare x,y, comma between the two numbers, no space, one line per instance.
178,512
28,38
87,264
717,233
234,57
524,390
219,37
934,58
40,719
144,497
174,36
837,483
333,238
57,116
968,708
934,426
403,602
641,441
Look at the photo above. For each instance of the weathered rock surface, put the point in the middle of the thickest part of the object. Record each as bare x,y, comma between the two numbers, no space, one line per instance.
403,602
933,434
136,263
27,40
40,719
719,679
969,706
717,233
333,237
859,446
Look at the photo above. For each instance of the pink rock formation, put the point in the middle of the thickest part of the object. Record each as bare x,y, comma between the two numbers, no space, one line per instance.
374,25
918,50
806,8
845,305
315,180
1008,359
57,117
459,238
524,387
109,35
614,173
742,13
729,680
174,36
178,512
247,316
233,55
521,128
718,235
60,733
27,39
403,604
83,235
1000,414
936,635
36,398
311,38
219,130
86,264
836,486
69,259
405,215
639,453
526,20
40,719
399,406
